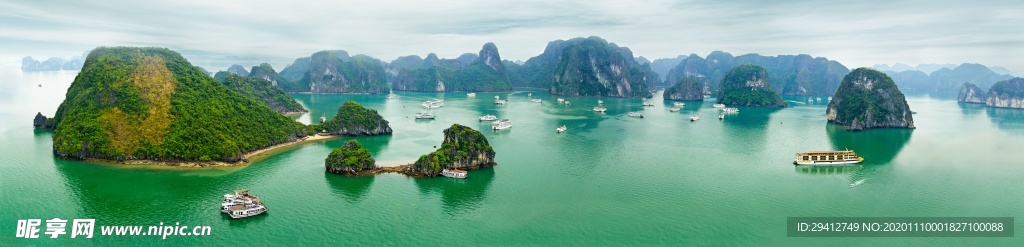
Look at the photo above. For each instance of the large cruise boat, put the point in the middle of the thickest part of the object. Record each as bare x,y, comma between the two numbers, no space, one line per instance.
500,125
424,115
241,205
454,173
718,105
433,103
828,158
600,109
488,118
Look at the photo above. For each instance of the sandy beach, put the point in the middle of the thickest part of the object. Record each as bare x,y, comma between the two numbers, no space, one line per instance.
246,158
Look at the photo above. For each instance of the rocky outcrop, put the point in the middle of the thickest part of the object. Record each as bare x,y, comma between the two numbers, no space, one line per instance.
747,85
354,120
690,88
350,159
486,73
463,148
868,99
594,67
266,72
238,70
971,93
260,89
1006,94
42,122
336,72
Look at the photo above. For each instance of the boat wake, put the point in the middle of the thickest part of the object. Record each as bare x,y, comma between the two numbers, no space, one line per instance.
855,183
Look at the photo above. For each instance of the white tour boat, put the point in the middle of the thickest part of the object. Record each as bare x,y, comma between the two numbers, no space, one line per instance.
242,204
500,125
636,114
432,103
647,104
600,109
561,129
721,116
674,109
454,173
488,118
500,102
679,104
600,101
535,100
731,110
424,115
718,105
694,117
471,95
828,158
560,100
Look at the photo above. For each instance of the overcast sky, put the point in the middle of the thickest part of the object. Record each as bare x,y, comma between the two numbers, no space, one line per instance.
855,33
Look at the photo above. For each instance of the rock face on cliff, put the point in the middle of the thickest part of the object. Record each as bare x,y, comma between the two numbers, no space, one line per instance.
266,72
150,103
1006,94
463,148
485,74
800,75
335,72
594,67
42,122
354,120
259,89
869,99
747,85
294,72
350,159
690,88
971,93
238,70
585,67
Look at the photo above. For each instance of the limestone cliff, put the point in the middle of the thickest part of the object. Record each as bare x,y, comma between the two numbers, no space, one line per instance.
354,120
1006,94
867,99
971,93
689,88
747,85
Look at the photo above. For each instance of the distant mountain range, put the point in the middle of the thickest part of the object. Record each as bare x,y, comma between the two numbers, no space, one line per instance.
53,63
947,79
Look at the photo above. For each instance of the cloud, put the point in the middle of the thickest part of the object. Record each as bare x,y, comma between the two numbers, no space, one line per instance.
856,33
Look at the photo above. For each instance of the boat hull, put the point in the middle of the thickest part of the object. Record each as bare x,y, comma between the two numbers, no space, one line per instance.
829,162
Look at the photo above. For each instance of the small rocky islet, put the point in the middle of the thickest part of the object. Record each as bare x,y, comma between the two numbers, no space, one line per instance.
463,148
747,85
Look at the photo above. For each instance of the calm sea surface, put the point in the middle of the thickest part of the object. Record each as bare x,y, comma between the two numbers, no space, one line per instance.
610,180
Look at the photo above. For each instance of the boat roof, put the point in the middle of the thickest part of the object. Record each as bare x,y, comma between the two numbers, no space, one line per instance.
826,152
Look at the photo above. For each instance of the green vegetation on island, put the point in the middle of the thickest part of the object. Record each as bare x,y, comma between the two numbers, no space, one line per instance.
463,148
486,73
690,88
261,90
350,159
747,85
354,120
869,99
150,103
585,67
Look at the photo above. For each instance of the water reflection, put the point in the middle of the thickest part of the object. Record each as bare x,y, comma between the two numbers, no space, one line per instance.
877,146
353,189
971,108
458,195
1006,118
747,129
828,170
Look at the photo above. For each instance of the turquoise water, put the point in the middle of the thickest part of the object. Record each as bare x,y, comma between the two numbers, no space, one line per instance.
610,180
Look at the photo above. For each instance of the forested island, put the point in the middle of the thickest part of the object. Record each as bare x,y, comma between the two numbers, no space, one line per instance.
869,99
747,85
354,120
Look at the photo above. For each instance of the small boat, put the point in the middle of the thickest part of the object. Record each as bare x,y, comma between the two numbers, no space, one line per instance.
567,102
500,125
600,102
560,100
40,85
561,129
500,102
471,95
242,204
454,173
392,96
718,105
809,100
829,98
488,118
647,104
323,118
819,99
731,110
679,104
432,103
721,116
636,114
529,95
424,115
694,117
496,97
674,109
828,158
535,100
600,109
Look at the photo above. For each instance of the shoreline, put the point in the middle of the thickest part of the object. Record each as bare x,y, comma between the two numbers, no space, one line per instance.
247,158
